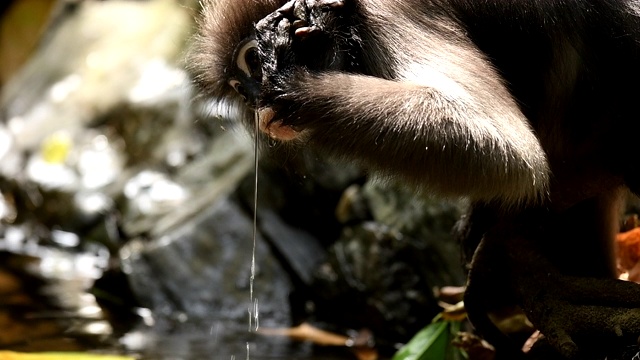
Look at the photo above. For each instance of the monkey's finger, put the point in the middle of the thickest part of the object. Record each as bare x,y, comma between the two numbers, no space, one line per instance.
607,292
300,10
306,31
327,4
282,33
287,8
561,340
268,22
298,24
275,17
626,323
593,322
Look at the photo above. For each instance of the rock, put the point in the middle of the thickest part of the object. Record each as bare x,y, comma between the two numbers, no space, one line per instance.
202,269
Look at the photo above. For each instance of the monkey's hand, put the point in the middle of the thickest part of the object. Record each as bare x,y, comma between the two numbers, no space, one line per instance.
301,33
297,38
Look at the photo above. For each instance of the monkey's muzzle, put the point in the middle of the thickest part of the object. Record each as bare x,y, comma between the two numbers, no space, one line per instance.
275,129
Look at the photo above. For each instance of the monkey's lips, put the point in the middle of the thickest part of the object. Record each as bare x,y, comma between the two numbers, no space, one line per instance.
275,129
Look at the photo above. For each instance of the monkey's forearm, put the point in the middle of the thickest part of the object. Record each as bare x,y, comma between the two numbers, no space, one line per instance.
444,143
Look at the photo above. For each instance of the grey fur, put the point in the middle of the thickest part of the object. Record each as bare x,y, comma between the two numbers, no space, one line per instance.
430,109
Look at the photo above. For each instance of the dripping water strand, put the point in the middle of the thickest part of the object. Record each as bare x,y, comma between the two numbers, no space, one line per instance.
253,313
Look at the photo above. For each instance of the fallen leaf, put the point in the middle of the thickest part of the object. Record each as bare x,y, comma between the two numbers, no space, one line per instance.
628,244
361,345
474,346
306,332
453,312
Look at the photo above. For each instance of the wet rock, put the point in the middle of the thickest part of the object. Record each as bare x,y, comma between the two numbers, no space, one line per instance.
426,219
375,278
202,269
396,248
420,217
91,63
296,208
96,100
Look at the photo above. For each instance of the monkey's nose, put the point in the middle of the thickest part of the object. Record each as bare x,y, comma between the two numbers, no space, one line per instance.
251,91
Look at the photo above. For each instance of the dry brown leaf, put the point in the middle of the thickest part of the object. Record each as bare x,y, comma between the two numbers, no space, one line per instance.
363,353
361,345
628,246
476,348
306,332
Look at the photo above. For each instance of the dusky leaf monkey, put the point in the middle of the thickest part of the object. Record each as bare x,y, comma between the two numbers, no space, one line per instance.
528,108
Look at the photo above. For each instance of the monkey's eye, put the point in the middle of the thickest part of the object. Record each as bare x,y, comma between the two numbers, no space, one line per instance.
248,61
237,86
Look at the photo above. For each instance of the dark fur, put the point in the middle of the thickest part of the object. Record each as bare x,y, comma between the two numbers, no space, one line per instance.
522,105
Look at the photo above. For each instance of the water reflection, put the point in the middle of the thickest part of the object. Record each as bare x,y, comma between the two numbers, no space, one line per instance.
43,311
46,305
227,341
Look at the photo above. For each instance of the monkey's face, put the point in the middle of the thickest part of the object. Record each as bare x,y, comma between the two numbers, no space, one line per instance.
246,79
250,54
223,59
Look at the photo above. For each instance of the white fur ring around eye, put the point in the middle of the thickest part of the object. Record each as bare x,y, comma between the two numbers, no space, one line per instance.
241,60
237,86
234,84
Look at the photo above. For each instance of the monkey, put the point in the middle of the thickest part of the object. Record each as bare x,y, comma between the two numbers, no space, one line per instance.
526,108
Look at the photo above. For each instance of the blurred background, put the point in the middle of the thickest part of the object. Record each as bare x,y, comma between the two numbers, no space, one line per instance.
126,208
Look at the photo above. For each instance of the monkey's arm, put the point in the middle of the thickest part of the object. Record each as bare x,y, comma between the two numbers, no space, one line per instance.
429,136
442,132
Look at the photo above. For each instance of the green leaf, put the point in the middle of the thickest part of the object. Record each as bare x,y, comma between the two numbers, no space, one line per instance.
433,343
